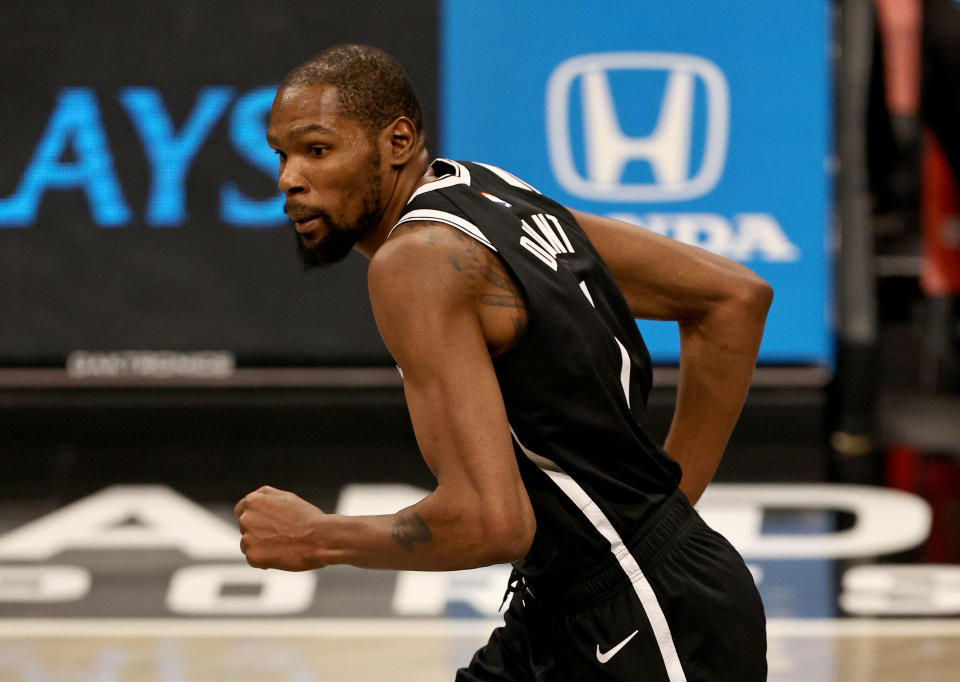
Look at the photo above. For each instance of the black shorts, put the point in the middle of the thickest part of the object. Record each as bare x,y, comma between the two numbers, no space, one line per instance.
689,610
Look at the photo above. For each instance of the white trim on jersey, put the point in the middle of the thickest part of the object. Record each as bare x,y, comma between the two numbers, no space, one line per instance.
624,355
461,176
624,370
431,215
642,587
508,177
586,292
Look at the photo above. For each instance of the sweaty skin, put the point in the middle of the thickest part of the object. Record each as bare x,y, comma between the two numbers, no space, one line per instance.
468,309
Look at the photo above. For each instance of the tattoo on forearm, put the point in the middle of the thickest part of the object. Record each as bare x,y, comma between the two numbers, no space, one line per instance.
410,528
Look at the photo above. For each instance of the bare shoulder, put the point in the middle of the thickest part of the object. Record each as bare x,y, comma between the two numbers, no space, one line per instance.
437,260
418,245
430,273
416,278
420,298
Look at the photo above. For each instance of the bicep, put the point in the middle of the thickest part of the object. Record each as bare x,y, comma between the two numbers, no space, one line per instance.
662,278
455,403
430,324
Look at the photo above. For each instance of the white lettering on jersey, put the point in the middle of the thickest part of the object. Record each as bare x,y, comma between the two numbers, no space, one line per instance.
547,241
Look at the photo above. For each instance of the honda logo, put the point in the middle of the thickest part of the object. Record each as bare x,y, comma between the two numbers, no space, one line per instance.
668,149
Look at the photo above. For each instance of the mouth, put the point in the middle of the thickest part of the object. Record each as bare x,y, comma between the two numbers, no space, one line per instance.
308,224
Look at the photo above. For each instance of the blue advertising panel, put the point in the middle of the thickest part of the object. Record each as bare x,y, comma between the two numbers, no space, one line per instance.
707,122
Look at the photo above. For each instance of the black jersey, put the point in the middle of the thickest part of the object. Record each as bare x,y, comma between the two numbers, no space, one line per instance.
575,384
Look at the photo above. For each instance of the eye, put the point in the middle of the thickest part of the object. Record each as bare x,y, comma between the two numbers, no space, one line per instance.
317,150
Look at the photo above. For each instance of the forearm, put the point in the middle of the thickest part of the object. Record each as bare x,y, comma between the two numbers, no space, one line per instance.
717,357
429,536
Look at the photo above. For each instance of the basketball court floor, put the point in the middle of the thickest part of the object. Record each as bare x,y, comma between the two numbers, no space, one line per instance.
421,651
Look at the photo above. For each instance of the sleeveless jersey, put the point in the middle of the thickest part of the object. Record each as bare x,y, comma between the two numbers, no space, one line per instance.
575,383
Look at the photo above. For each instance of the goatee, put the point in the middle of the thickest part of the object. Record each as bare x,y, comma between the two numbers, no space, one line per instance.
339,239
334,246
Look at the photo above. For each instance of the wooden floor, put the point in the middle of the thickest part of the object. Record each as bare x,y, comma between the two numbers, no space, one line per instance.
262,651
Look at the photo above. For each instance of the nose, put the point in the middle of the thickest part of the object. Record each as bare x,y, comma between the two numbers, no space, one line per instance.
290,180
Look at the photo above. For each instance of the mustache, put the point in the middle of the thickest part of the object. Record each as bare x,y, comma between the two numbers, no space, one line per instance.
297,211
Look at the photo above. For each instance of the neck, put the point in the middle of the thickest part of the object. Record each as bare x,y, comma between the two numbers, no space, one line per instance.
412,175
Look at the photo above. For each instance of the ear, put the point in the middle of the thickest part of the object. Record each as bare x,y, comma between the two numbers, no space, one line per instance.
399,141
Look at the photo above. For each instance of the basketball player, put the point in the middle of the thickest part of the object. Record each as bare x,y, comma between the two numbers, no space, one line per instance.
512,321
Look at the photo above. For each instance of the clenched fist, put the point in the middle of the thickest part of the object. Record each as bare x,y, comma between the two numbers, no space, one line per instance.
280,530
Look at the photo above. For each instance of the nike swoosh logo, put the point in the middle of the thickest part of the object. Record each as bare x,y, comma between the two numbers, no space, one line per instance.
603,658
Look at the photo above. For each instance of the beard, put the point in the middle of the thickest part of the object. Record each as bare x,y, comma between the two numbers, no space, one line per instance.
340,237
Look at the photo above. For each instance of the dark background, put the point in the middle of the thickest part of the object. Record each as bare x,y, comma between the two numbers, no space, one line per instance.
68,284
213,445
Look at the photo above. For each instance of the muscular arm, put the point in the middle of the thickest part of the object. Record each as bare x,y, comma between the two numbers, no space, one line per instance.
426,294
720,307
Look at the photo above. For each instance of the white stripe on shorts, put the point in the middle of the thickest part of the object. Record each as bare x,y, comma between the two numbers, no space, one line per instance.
596,517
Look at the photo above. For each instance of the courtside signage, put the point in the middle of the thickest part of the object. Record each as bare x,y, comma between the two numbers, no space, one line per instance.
608,149
704,122
75,128
183,559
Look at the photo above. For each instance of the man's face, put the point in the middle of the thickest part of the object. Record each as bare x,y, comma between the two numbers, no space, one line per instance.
329,172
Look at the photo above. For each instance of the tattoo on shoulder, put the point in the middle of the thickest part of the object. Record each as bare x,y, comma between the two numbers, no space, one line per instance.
487,277
490,282
410,528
